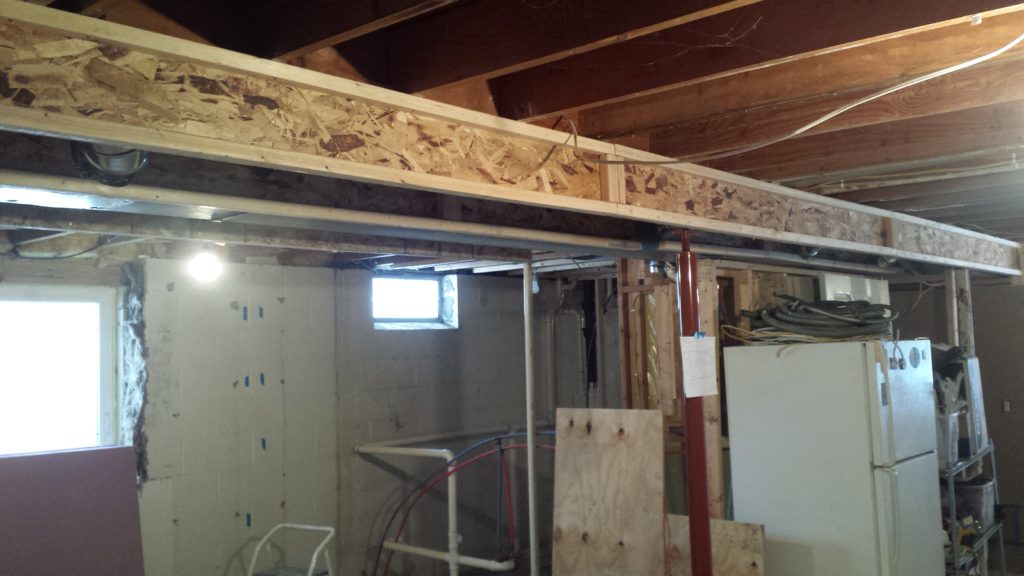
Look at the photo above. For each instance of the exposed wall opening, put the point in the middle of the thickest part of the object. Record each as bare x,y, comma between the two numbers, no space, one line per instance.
57,375
415,302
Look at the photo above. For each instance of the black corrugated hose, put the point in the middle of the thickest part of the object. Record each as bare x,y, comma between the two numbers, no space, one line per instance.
827,318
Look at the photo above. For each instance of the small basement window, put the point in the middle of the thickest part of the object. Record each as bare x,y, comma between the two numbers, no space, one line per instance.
415,302
56,367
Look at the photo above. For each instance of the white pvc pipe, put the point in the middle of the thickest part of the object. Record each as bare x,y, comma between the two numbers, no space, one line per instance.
443,437
452,557
471,561
531,427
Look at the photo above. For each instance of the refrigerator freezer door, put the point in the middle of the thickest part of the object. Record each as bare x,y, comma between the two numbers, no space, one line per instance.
903,400
909,518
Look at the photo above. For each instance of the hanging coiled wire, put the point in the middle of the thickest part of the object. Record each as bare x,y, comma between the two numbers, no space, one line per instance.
831,319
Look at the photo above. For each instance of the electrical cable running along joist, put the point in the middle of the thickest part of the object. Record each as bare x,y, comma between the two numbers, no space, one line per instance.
832,319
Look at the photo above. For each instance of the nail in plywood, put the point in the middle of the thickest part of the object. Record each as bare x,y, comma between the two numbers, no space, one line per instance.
737,549
609,493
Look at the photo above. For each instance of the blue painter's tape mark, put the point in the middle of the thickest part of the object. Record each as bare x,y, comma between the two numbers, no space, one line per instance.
263,443
245,313
263,379
246,380
261,311
248,519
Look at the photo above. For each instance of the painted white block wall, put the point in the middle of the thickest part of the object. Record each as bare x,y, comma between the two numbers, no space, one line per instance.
330,382
240,414
398,384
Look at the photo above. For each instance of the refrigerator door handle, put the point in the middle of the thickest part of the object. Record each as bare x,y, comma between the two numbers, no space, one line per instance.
894,557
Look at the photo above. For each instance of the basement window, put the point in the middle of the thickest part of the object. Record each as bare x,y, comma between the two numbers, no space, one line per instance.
415,302
56,367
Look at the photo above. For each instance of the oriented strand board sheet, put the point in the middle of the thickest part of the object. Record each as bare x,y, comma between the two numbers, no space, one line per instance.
609,493
937,243
81,78
737,549
676,191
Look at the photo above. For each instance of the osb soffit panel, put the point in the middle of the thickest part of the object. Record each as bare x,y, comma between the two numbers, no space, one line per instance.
71,76
50,82
674,191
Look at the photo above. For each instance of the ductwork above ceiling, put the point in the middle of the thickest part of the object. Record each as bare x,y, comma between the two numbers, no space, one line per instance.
108,164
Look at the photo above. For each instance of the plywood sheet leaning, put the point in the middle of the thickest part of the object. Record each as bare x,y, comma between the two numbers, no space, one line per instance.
737,549
609,493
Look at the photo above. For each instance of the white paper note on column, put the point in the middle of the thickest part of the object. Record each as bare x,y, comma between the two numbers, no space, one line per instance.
700,370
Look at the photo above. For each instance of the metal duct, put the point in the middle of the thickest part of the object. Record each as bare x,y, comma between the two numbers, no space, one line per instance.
108,164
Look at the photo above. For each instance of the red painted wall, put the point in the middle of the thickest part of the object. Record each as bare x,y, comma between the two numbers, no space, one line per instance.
70,513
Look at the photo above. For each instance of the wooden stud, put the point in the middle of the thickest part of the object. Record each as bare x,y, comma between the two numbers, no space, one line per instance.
965,313
888,233
613,180
707,288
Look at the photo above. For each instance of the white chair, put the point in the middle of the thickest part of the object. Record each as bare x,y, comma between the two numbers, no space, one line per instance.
321,549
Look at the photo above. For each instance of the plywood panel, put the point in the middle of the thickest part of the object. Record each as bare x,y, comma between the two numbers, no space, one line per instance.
609,493
737,549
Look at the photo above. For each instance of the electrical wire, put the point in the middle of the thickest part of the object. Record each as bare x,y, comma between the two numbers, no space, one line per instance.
15,251
508,501
797,320
794,133
771,336
827,318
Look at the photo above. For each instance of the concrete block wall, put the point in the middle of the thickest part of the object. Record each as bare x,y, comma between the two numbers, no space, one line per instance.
240,416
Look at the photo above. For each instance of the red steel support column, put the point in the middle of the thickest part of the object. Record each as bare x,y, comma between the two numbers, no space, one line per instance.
696,457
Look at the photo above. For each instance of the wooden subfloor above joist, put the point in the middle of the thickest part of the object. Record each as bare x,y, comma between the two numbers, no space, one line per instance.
75,77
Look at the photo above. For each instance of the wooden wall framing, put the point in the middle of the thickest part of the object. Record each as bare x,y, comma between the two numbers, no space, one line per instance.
71,76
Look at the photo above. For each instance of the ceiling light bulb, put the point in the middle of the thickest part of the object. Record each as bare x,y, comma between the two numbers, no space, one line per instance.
205,266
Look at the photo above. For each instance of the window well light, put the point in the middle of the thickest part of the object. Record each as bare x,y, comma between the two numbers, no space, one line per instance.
205,266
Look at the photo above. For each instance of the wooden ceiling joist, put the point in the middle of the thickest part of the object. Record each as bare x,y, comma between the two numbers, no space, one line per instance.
74,77
998,83
1005,179
487,38
757,36
874,64
299,29
975,198
937,139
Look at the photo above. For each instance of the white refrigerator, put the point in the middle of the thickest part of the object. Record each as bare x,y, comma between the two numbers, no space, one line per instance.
832,448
